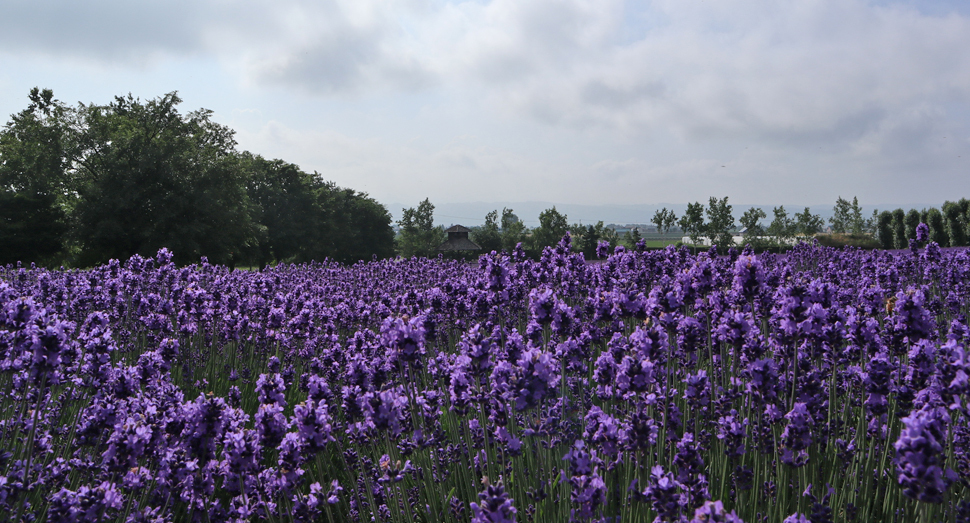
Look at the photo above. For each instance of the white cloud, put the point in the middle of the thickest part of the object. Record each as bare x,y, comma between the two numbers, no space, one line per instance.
392,171
575,100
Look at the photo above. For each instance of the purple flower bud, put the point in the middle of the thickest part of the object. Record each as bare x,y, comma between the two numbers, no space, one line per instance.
922,233
713,512
920,457
495,506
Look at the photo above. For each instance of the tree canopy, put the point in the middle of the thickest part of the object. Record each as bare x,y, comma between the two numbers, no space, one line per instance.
418,235
81,185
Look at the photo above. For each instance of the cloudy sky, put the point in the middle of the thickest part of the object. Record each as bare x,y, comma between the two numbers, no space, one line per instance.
566,101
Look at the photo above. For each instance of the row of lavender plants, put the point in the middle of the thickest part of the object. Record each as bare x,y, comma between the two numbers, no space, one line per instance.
824,385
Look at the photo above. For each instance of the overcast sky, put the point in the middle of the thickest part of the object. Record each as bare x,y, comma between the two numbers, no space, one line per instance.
567,101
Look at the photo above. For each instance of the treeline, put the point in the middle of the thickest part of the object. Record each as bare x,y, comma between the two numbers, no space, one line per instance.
418,236
713,224
82,185
948,226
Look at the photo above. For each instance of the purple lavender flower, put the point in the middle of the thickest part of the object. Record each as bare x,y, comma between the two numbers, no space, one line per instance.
602,249
749,278
314,424
86,504
542,301
404,337
271,424
271,389
386,410
45,347
922,233
697,391
911,320
713,512
588,491
797,436
581,461
664,494
732,432
495,506
538,374
920,457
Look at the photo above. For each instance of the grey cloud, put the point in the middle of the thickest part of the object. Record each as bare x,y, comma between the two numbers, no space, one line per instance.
597,92
818,74
334,62
125,31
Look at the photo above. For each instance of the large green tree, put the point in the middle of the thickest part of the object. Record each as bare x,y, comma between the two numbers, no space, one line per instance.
884,230
720,221
286,205
361,227
912,220
899,229
418,235
956,223
937,225
150,177
35,184
807,223
488,236
307,218
847,217
751,221
782,227
692,222
552,227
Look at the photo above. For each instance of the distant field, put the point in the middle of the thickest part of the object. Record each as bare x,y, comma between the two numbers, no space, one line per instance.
656,242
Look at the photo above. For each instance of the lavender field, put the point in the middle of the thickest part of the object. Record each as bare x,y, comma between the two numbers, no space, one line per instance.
825,385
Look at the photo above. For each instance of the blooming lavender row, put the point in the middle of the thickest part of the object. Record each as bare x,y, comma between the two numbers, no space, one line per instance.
825,385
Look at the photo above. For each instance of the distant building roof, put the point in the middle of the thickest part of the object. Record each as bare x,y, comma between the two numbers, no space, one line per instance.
459,244
458,240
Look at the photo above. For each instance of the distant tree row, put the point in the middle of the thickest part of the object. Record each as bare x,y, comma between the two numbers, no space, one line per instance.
418,236
948,226
81,185
715,222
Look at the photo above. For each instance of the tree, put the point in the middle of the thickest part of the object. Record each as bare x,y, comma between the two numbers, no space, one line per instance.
872,224
913,219
955,223
899,229
150,177
513,230
669,220
361,226
610,236
692,222
720,222
552,227
35,186
664,219
934,219
807,223
848,217
631,238
751,221
964,205
884,230
488,236
590,236
782,227
418,235
287,206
